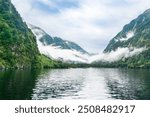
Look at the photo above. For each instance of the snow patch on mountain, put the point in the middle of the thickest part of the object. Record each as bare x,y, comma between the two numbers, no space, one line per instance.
128,36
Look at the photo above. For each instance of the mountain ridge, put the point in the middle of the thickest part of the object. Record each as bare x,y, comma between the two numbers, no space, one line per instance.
57,48
47,39
134,34
21,47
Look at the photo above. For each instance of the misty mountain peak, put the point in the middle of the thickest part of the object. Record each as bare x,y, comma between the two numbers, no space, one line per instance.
135,34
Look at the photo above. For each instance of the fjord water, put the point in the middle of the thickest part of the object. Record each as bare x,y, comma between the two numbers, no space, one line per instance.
87,83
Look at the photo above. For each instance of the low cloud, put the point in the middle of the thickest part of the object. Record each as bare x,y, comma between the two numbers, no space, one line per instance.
119,54
90,23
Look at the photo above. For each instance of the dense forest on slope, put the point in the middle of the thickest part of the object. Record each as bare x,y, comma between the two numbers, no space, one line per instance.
18,46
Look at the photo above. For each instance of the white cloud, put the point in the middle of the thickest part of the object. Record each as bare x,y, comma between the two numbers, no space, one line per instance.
119,54
93,23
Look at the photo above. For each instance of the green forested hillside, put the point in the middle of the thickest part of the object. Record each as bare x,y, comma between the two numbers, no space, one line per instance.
18,47
17,43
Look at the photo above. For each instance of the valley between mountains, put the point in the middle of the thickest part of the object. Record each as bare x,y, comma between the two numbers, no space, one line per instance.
24,45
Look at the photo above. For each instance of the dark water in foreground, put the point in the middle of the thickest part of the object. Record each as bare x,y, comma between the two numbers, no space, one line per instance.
89,83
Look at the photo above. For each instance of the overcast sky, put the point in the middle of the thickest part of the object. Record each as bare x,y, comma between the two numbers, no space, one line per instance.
89,23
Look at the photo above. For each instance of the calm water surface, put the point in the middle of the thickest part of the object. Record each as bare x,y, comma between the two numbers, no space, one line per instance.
89,83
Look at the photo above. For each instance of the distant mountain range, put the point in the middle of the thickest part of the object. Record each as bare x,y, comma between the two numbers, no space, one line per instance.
57,48
129,48
21,47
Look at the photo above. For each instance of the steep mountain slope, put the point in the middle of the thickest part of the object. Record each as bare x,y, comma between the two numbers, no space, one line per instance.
57,48
18,46
135,39
135,34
